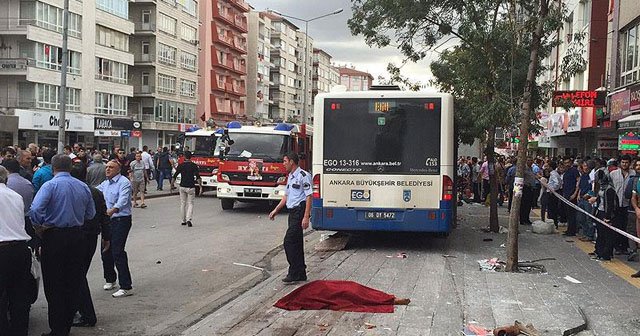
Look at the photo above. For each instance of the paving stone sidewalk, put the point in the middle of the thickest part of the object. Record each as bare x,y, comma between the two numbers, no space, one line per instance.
445,292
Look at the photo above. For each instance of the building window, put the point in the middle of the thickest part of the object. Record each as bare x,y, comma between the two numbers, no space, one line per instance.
166,54
111,71
189,7
116,7
145,79
187,88
50,17
166,84
188,33
50,57
111,38
47,97
167,24
291,82
146,16
188,61
630,64
111,104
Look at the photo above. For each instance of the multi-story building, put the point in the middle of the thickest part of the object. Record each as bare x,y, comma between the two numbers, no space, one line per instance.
98,81
258,66
325,76
165,76
575,131
286,89
305,76
223,68
355,80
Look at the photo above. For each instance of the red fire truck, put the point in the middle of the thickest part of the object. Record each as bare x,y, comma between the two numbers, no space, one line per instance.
252,169
205,151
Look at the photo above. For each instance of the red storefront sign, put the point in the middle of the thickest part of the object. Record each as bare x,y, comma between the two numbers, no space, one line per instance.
634,98
619,105
589,117
585,98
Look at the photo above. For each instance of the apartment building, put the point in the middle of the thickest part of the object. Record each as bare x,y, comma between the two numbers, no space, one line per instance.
258,66
98,84
325,76
165,46
223,53
305,76
355,80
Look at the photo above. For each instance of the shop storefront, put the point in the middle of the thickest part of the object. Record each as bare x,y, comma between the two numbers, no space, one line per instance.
8,130
123,133
41,127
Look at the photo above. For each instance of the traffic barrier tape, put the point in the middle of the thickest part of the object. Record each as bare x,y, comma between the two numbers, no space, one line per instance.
571,204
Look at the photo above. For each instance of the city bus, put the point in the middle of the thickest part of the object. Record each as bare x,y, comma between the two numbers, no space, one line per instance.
383,160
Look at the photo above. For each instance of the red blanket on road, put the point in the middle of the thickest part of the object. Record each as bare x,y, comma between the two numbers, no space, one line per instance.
337,295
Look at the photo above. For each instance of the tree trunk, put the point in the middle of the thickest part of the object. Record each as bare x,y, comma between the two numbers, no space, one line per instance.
525,119
494,225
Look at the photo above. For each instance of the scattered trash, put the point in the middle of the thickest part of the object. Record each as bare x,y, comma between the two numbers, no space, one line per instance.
259,217
541,227
503,230
516,329
503,245
387,329
323,327
369,325
475,330
153,226
448,256
389,256
205,270
159,262
401,255
570,240
487,239
579,328
490,265
251,266
573,280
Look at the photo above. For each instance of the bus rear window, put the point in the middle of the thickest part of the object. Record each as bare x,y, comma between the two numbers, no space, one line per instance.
382,136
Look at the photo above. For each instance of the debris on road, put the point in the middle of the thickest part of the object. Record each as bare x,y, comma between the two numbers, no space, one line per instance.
503,230
153,226
401,255
487,239
572,279
541,227
159,262
448,256
333,242
582,327
251,266
516,329
490,265
475,330
369,325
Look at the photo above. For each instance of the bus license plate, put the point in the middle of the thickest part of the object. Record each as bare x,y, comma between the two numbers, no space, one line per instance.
379,215
252,191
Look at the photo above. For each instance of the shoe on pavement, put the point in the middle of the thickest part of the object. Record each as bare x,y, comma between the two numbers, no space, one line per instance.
189,224
184,223
636,275
289,279
122,293
109,286
82,323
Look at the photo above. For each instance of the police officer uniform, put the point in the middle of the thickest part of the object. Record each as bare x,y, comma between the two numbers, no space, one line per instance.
298,188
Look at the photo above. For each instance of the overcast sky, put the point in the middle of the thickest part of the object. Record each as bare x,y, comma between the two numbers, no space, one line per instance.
333,36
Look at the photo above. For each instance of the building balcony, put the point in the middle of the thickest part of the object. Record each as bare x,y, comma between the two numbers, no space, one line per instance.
241,23
144,90
145,28
13,102
224,17
15,26
217,85
144,59
239,90
240,45
15,66
240,5
222,38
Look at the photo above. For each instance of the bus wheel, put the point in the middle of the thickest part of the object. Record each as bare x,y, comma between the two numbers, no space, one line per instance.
227,203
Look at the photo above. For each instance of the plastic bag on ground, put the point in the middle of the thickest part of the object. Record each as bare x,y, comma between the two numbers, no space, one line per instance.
541,227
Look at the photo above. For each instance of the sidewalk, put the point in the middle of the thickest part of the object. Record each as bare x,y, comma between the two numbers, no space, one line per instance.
445,292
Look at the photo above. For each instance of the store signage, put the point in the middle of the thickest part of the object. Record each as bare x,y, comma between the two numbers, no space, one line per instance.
629,141
106,133
574,123
629,124
589,98
619,107
608,144
117,124
50,121
634,98
558,124
13,64
136,134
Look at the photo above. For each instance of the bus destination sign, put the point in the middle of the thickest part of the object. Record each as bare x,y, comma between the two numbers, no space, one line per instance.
382,106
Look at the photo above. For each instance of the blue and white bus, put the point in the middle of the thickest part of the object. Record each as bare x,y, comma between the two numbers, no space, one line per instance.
383,161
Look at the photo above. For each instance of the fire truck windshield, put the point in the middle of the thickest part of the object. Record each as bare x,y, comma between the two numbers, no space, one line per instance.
270,147
204,146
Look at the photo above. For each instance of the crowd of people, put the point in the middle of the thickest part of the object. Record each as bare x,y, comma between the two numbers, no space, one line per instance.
55,207
607,189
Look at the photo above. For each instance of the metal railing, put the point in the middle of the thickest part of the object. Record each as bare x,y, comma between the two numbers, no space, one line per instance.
144,89
144,27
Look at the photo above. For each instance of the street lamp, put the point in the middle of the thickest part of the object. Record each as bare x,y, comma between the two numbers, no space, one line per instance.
306,44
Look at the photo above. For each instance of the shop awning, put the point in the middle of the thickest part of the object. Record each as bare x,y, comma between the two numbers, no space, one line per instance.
630,122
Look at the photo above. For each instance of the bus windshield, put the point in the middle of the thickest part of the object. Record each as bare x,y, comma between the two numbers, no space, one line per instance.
270,147
203,146
382,136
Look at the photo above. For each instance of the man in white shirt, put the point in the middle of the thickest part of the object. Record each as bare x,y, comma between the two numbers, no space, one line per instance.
15,262
148,165
619,178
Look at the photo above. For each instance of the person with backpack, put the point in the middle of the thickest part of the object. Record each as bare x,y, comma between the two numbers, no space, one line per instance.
619,179
606,203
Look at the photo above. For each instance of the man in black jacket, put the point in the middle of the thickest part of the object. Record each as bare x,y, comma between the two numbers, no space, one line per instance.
91,229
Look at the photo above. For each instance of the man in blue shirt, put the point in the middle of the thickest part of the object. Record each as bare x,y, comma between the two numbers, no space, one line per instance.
45,173
570,193
297,198
117,194
58,211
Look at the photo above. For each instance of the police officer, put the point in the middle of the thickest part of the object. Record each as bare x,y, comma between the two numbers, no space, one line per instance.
297,198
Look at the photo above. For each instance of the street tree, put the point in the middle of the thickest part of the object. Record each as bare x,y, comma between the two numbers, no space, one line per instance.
492,70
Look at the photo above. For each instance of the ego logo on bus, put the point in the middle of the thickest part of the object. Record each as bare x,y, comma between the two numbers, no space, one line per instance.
360,195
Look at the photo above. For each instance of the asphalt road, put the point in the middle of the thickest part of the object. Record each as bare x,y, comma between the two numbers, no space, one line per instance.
179,273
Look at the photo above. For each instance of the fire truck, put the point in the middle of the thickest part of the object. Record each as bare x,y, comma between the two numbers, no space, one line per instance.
252,169
203,145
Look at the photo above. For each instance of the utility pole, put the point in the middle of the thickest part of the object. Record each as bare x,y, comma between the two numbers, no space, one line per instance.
62,94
